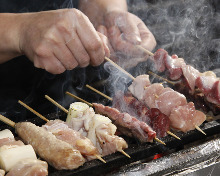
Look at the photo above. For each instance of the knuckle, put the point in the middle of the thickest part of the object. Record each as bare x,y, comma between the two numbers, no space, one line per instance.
95,46
62,28
41,51
84,62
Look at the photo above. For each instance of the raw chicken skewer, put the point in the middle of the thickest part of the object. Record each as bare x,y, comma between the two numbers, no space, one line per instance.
65,110
160,77
46,145
92,88
158,140
79,140
169,102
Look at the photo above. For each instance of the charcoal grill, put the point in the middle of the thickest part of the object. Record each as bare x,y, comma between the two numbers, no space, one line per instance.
136,150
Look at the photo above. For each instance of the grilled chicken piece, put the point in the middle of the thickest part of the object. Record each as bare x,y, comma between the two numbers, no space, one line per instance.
127,124
29,167
58,153
61,130
138,85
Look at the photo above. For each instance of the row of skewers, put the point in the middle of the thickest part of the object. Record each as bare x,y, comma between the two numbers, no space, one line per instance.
86,135
204,88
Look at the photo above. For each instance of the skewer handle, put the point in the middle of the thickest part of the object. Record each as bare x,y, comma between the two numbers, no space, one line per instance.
100,93
118,67
78,98
57,104
144,50
32,110
7,121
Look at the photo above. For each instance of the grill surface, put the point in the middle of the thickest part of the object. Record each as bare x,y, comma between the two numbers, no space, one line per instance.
136,150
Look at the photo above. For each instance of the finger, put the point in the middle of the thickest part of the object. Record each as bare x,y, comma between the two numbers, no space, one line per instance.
130,30
64,55
102,29
148,40
91,41
117,42
52,65
105,44
77,49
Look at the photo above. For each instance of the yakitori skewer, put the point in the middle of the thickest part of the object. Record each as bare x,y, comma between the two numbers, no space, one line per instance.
65,110
168,132
197,127
45,119
158,140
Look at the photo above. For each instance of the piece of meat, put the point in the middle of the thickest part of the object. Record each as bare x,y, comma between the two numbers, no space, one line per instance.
9,141
2,172
29,167
138,85
184,118
61,130
214,95
169,100
190,74
159,59
205,83
109,142
153,117
159,122
58,153
127,124
82,122
151,93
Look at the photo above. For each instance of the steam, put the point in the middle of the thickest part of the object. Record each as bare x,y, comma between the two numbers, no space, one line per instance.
186,28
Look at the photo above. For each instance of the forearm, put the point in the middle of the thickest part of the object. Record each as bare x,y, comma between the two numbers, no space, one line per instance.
9,32
96,9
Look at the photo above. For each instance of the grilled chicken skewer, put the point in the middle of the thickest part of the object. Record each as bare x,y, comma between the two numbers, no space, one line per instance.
138,129
59,154
64,133
16,158
97,128
168,132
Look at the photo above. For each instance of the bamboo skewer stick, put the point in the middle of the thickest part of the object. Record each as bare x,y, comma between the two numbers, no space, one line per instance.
118,67
160,77
144,50
61,107
158,140
57,104
95,90
45,119
172,134
7,121
80,99
32,110
199,129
